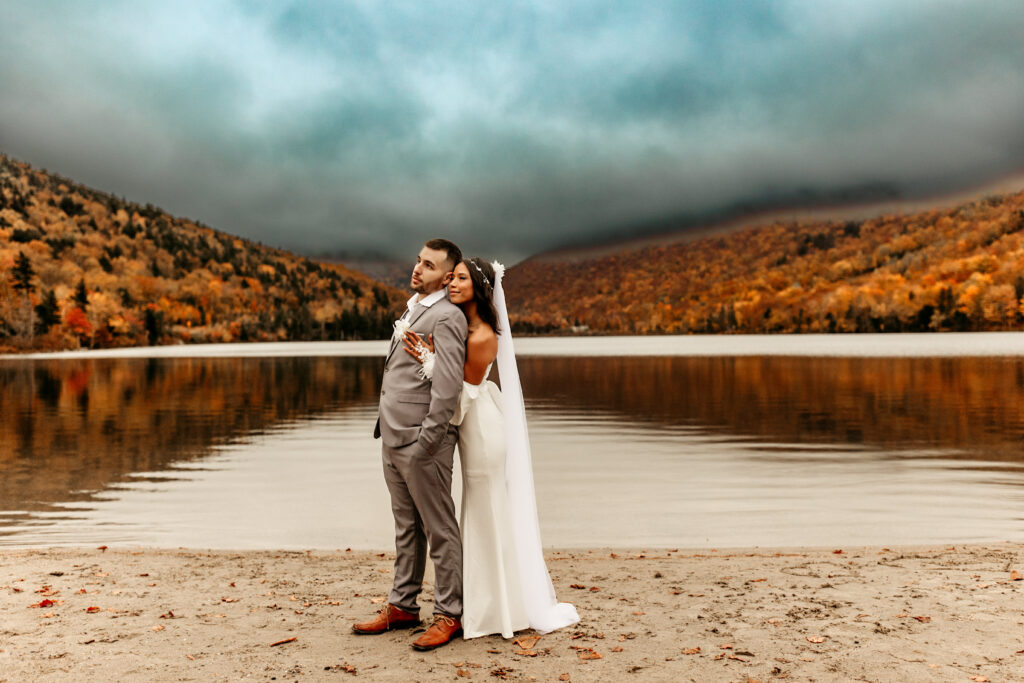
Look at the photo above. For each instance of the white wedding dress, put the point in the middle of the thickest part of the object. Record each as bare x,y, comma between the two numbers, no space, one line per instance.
505,582
492,597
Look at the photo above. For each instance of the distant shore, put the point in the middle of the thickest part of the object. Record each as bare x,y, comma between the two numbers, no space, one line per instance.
867,345
833,614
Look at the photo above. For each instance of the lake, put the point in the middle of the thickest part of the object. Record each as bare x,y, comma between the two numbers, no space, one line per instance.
654,442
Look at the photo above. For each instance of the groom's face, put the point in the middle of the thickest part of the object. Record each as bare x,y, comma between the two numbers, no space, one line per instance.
432,271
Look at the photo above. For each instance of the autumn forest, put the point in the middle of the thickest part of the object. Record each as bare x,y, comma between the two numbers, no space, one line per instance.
955,269
85,269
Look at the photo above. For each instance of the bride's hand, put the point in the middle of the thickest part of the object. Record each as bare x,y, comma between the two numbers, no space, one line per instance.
414,345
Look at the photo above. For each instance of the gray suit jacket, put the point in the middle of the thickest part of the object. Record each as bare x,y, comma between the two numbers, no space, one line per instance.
413,409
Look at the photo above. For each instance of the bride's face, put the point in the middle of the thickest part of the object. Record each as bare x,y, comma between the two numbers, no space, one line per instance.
461,288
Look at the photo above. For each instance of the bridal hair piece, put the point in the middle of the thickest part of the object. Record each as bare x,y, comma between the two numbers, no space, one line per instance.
482,273
542,608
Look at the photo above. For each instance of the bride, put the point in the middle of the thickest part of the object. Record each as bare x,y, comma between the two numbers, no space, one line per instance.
506,586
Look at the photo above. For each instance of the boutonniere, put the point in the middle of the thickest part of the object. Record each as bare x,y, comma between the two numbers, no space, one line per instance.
401,326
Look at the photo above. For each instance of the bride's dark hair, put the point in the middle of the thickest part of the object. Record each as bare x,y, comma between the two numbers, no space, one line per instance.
482,275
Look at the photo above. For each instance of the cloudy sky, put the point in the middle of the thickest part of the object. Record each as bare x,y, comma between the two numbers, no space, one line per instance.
511,127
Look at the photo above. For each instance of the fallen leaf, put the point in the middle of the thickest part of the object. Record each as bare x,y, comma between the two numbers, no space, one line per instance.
757,580
92,610
638,613
286,640
616,649
807,659
48,615
462,673
495,652
169,615
815,639
45,602
526,653
588,653
577,586
612,555
191,657
102,548
923,620
158,627
692,651
527,642
564,677
1015,576
837,552
726,646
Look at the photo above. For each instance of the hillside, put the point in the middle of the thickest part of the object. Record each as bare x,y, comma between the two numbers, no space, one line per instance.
81,268
934,270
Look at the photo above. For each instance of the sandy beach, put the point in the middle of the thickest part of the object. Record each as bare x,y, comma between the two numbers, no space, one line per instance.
833,614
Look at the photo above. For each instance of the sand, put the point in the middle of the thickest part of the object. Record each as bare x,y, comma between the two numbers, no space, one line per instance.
834,614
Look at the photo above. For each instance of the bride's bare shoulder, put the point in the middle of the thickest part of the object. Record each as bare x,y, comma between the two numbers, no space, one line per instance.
482,340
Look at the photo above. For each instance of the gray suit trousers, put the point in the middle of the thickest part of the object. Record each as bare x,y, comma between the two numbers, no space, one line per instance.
421,500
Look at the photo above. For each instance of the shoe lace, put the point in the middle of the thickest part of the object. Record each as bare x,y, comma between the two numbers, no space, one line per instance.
442,619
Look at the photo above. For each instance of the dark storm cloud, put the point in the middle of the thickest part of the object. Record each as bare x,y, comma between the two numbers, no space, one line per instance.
509,127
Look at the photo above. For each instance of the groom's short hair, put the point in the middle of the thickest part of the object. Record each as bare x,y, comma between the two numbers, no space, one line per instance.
454,253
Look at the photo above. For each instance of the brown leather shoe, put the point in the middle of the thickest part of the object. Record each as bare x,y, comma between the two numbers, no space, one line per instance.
388,618
440,632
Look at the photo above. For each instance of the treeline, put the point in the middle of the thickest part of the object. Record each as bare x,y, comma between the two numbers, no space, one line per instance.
82,268
956,269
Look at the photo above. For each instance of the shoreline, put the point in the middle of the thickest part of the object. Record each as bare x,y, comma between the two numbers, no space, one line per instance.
852,344
800,614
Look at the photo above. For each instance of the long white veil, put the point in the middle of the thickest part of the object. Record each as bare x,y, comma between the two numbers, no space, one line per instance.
542,608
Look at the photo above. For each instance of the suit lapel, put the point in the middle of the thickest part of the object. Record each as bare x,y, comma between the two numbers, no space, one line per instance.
416,315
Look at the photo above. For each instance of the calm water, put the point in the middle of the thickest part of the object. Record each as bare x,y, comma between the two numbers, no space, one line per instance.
695,450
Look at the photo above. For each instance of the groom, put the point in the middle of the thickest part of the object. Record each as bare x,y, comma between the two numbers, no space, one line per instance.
418,452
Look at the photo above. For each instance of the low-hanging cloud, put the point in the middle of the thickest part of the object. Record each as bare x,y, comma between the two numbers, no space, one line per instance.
511,128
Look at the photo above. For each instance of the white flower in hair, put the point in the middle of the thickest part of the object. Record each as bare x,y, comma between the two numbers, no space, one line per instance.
499,270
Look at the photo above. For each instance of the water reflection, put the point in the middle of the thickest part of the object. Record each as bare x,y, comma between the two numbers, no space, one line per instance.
71,428
968,407
276,452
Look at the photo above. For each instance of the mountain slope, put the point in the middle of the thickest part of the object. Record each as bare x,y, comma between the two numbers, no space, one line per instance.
959,268
82,268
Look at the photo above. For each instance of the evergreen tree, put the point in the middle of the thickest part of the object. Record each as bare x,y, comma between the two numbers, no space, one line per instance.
23,274
154,322
47,313
81,295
